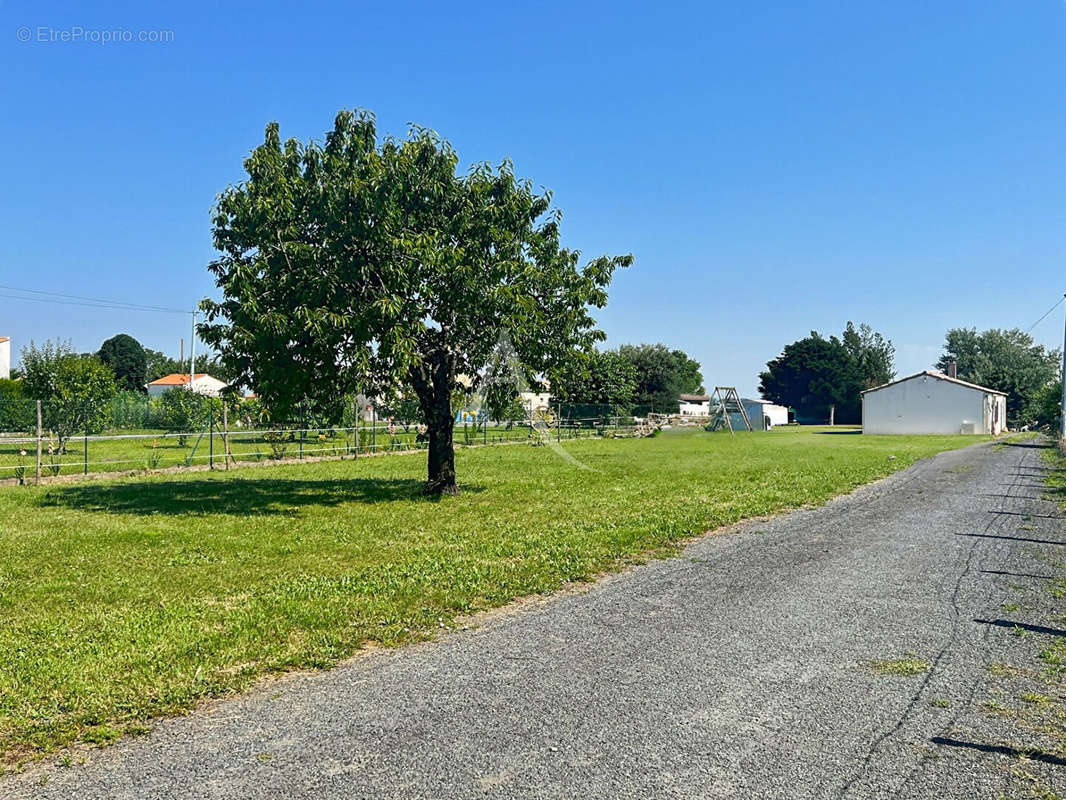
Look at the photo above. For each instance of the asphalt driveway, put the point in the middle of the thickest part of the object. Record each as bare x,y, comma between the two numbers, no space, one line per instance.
742,669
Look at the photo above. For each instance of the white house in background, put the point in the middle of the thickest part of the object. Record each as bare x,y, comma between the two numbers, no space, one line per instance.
931,402
694,405
764,415
5,358
202,384
535,402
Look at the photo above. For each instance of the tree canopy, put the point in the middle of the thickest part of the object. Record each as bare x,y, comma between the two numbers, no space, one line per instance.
597,378
127,359
815,373
872,354
75,390
360,265
1007,360
662,376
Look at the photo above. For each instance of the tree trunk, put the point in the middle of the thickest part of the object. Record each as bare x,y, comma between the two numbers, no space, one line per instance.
441,478
433,384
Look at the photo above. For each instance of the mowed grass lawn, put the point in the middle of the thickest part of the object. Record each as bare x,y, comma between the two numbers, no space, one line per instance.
128,599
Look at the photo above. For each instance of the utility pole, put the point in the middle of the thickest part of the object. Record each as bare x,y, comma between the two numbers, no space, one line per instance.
1062,408
192,353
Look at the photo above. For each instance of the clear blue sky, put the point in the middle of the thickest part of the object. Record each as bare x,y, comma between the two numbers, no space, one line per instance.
775,167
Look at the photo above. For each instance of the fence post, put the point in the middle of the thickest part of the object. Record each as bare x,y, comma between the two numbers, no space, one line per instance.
85,471
40,434
210,438
225,433
485,433
374,429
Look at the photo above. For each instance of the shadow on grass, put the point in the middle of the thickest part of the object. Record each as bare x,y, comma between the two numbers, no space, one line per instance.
243,496
1030,445
838,433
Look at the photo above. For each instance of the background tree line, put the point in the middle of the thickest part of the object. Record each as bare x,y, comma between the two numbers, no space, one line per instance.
1012,362
631,379
816,372
90,392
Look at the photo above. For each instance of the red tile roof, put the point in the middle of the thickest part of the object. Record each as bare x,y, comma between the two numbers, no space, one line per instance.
177,379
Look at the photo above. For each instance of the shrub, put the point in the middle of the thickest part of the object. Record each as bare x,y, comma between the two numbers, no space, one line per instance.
130,410
184,412
17,412
279,443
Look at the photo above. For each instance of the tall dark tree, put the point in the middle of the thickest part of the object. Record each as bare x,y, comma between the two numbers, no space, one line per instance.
1007,360
359,264
813,374
127,360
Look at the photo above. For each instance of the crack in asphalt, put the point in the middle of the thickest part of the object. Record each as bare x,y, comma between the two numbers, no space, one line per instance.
975,685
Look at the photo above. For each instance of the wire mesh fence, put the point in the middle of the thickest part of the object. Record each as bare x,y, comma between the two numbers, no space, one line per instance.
38,441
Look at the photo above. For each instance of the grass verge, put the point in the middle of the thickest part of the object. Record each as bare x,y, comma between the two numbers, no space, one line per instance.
128,599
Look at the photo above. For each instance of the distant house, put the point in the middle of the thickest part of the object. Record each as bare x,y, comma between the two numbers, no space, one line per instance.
202,384
5,358
931,402
535,402
694,405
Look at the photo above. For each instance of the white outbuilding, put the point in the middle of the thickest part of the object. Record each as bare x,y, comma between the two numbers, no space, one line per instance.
694,405
931,402
764,415
5,357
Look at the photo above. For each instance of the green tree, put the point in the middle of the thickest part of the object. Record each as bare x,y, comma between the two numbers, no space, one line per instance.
873,354
127,360
688,373
75,391
1045,409
662,375
17,413
813,374
357,265
183,412
596,378
1007,360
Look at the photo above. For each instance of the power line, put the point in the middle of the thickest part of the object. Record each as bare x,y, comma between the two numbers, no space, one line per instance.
88,302
83,305
1030,328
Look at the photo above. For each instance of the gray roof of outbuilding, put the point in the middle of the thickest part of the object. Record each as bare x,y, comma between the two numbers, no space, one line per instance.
940,376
